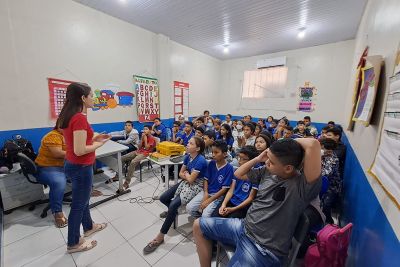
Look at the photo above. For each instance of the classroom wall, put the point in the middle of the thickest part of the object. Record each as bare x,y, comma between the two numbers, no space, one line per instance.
377,220
66,40
327,67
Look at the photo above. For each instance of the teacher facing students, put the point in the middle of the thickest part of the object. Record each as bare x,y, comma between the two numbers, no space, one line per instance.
80,157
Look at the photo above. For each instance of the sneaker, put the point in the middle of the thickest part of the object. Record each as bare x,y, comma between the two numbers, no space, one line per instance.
163,214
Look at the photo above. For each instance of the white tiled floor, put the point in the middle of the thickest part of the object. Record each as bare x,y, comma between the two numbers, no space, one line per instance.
32,241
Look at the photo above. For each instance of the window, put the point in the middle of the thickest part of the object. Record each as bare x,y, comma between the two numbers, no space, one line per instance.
265,83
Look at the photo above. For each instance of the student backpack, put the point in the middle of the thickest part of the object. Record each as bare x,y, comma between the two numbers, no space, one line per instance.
331,247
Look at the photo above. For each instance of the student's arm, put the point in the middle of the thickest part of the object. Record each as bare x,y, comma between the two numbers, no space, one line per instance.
191,177
144,142
228,197
312,158
217,195
245,203
80,147
241,172
205,189
57,152
182,172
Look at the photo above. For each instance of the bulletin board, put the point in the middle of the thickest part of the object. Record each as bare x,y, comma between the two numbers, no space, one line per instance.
181,99
58,93
147,98
307,94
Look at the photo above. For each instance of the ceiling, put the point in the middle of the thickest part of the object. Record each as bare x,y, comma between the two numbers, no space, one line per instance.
245,27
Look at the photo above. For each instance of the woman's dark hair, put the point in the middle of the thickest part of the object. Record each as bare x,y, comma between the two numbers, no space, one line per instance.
73,103
221,145
57,125
228,131
266,139
199,143
288,152
250,151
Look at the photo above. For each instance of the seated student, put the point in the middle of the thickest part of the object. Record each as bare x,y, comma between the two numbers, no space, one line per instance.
262,143
147,146
228,120
247,119
331,124
278,131
209,139
181,119
186,135
241,193
257,130
159,130
199,132
270,119
129,137
330,170
323,132
176,132
199,122
263,237
234,123
313,130
288,133
216,183
192,173
261,122
226,135
301,130
237,133
248,138
335,133
272,126
208,123
217,127
50,162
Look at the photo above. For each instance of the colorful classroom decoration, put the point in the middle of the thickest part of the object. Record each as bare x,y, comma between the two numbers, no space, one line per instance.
107,98
368,89
58,92
125,99
386,166
306,93
147,98
181,99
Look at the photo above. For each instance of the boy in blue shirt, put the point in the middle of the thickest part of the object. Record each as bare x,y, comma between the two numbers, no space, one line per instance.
216,183
241,193
159,130
187,133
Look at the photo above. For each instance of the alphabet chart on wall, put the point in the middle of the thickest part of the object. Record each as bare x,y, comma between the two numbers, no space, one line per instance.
147,98
181,99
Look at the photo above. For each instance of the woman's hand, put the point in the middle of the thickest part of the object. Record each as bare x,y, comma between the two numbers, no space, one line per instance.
101,138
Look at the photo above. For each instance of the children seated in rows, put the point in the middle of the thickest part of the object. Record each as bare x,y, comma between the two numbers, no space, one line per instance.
193,170
128,137
216,183
301,130
286,187
241,193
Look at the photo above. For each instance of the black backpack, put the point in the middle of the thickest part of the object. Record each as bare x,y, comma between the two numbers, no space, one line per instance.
8,154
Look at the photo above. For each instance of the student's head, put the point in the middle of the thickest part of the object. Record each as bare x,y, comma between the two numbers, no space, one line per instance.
262,142
274,123
331,124
234,123
209,137
247,119
324,130
327,146
206,113
261,122
334,133
270,119
307,120
301,125
188,127
228,117
128,126
147,129
226,130
288,131
181,119
157,121
78,97
219,150
199,132
257,129
283,122
199,121
195,145
247,153
217,125
248,130
176,125
239,125
285,157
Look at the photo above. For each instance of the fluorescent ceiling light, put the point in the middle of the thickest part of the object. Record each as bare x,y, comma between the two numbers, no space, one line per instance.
302,33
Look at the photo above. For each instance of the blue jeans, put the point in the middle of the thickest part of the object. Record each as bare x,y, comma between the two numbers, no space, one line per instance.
81,178
173,204
231,232
55,178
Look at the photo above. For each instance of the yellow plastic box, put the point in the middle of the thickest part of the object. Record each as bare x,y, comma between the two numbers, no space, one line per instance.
170,148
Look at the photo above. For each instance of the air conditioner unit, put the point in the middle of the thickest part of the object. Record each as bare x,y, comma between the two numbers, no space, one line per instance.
271,62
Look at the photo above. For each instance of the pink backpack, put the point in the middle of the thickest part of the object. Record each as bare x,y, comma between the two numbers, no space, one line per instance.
331,247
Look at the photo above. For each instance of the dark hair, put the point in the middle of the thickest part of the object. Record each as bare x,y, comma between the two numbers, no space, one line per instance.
328,143
288,152
147,126
199,143
220,144
336,131
201,118
229,131
258,126
307,118
189,123
73,103
57,125
177,123
157,119
276,121
285,120
300,122
235,120
271,117
263,121
129,122
331,122
200,129
250,117
266,139
325,128
269,135
229,115
218,122
206,111
289,128
210,134
249,151
251,126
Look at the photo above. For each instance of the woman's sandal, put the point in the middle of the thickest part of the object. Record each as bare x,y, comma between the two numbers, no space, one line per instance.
126,185
60,221
96,228
83,245
96,193
152,246
112,180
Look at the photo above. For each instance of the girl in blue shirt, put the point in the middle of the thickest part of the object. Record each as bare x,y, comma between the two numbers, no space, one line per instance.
226,135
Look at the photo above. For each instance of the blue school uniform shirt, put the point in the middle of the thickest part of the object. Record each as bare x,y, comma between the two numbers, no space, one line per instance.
199,164
163,129
185,138
242,191
229,142
218,177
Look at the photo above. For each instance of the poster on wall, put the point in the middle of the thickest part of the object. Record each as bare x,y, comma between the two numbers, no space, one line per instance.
386,166
181,99
111,97
306,94
58,93
368,89
147,98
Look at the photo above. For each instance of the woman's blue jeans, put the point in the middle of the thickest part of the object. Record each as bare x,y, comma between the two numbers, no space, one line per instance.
55,178
81,177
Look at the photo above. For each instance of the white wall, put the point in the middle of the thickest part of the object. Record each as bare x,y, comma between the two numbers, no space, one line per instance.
327,67
380,30
66,40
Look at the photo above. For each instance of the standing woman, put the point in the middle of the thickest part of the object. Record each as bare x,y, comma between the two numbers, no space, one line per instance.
80,156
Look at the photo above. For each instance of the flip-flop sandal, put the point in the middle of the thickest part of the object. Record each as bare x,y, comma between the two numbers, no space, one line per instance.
152,246
126,185
112,180
60,222
86,245
96,193
96,228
